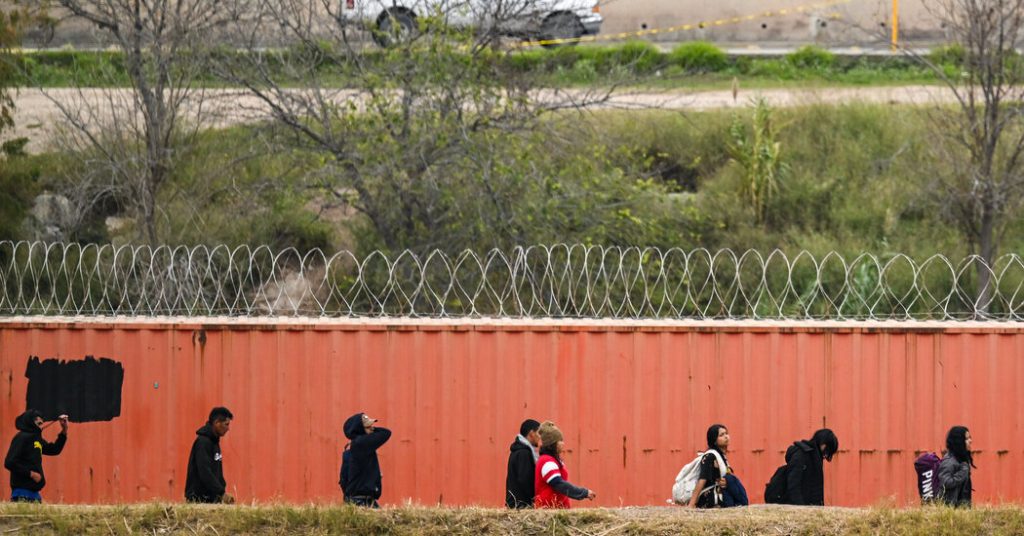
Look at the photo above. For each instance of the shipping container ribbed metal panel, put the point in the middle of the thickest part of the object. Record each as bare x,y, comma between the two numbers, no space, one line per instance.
633,398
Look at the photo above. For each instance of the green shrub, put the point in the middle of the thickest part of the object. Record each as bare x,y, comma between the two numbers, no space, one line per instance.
947,55
19,185
699,56
811,57
289,225
584,71
639,57
70,68
758,152
773,68
526,60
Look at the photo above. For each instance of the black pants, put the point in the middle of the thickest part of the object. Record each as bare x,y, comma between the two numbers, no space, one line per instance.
365,501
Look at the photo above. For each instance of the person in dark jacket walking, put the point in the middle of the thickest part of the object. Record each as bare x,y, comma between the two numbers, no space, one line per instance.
522,462
955,468
805,474
25,456
204,480
360,469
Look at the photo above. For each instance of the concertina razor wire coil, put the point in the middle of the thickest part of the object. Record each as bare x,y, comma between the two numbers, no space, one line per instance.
542,281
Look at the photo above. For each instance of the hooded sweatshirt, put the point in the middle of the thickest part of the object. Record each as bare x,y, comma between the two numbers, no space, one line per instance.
360,468
805,477
519,484
204,481
27,450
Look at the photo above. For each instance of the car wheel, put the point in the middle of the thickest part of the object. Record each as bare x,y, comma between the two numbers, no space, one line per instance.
394,26
561,26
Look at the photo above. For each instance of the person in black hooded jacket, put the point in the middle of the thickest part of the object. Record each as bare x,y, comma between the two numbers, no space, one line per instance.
805,474
522,464
360,469
204,480
25,456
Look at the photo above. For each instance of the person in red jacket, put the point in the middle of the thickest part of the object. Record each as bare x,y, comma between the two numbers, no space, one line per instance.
551,482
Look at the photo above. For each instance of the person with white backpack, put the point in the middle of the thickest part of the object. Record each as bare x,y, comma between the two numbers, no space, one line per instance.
708,481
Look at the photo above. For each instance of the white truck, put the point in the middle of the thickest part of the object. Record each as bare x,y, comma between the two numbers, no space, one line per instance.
389,20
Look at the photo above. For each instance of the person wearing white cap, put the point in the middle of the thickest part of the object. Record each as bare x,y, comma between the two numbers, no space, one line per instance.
360,469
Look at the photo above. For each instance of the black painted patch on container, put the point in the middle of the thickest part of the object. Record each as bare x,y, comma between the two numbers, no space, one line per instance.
88,390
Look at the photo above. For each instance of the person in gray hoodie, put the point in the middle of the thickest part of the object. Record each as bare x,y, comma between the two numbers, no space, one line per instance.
955,468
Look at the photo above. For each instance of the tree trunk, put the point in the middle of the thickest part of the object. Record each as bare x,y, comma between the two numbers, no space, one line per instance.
987,251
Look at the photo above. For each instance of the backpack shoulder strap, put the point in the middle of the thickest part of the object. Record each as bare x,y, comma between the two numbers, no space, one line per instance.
722,467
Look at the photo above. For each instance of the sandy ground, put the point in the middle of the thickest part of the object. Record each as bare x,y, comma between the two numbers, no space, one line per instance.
38,114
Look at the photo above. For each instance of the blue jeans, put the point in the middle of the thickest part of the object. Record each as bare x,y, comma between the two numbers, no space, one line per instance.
24,495
734,493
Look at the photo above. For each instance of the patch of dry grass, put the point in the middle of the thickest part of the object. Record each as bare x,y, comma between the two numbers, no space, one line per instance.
220,520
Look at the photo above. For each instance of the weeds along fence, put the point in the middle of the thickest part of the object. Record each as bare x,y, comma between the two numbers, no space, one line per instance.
543,281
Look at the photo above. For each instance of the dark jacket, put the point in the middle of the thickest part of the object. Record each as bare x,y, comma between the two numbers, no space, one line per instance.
955,481
805,477
204,480
27,450
360,469
519,479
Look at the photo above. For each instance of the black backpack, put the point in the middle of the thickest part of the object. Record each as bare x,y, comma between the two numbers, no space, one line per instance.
775,491
346,470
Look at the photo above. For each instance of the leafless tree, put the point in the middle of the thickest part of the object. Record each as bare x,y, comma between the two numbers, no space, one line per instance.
129,142
980,181
13,20
396,128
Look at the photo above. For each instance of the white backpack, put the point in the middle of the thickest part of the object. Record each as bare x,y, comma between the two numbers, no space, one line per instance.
687,478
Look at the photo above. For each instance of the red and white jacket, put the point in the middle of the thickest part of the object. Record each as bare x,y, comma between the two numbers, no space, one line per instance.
545,496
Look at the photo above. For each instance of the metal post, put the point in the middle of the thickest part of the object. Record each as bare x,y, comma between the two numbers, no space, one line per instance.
895,24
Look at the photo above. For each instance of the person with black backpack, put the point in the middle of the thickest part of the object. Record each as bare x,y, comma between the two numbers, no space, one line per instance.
955,468
802,480
360,469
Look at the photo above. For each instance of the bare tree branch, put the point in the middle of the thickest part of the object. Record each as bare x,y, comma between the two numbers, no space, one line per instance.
980,180
133,140
393,125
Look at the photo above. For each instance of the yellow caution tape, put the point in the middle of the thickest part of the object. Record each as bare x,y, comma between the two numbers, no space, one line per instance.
684,27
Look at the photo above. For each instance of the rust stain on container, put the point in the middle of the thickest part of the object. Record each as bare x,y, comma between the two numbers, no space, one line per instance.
634,403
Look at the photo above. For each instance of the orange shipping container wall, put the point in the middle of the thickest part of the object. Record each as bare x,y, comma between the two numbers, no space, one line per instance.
634,401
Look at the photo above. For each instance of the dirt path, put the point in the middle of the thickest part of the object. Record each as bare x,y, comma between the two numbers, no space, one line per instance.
708,100
275,519
37,114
